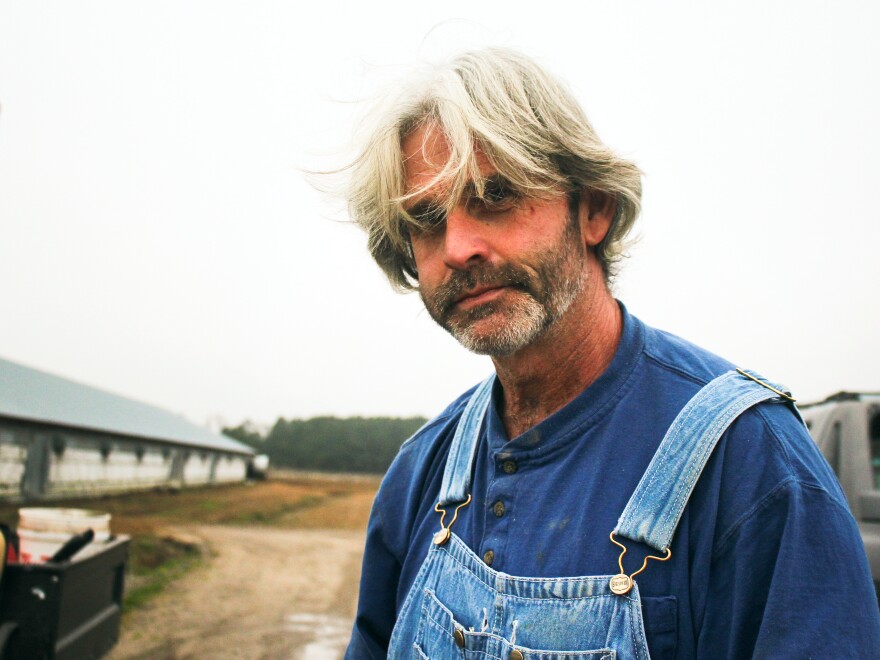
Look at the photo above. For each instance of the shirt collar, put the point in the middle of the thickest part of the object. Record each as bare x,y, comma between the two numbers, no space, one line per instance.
584,408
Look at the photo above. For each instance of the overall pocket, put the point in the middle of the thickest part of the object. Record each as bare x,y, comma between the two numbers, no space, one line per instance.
534,654
444,636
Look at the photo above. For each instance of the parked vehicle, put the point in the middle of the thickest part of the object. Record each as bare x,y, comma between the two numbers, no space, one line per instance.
846,426
258,467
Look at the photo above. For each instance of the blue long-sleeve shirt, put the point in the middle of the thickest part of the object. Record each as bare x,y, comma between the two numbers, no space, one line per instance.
766,562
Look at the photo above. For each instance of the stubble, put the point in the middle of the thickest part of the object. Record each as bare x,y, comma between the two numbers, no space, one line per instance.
539,293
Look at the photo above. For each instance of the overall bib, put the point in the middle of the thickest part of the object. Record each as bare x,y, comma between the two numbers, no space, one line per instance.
458,607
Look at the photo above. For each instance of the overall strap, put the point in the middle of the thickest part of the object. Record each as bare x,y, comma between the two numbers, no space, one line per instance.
653,511
457,475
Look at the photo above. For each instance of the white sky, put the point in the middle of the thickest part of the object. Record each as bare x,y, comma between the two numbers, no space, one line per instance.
157,237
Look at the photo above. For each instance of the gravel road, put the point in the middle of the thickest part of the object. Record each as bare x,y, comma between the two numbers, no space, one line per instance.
265,593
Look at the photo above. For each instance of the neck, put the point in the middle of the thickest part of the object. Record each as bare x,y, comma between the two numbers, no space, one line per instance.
549,373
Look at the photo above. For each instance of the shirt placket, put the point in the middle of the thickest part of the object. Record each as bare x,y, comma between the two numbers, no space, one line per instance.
500,508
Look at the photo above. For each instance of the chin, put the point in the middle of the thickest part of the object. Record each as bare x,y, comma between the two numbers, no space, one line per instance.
497,337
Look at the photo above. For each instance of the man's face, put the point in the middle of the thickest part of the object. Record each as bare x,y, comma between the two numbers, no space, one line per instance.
494,272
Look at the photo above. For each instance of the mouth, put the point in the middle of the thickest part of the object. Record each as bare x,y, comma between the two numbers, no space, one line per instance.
479,296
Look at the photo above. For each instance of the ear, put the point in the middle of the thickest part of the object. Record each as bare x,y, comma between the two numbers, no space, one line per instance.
596,212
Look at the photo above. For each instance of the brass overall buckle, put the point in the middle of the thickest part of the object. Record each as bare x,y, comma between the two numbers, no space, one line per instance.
622,583
443,535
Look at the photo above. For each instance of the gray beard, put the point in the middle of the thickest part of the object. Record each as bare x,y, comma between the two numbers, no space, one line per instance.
539,297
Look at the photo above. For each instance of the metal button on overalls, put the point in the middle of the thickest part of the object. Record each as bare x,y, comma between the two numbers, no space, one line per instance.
509,467
515,654
498,509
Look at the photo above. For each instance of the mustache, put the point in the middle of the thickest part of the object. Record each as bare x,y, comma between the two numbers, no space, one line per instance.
462,281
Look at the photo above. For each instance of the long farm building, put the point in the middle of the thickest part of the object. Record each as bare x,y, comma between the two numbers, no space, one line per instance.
59,438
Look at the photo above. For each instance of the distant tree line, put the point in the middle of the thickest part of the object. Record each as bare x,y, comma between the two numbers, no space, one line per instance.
330,444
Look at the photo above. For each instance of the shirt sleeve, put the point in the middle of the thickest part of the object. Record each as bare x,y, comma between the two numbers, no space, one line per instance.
791,580
376,611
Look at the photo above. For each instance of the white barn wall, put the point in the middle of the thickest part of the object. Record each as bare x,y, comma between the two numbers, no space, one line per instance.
197,469
79,463
12,458
230,468
83,468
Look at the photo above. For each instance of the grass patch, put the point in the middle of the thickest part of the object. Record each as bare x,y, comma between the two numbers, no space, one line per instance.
150,552
155,563
276,514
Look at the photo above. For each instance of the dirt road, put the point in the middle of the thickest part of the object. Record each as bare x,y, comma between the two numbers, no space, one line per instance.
265,593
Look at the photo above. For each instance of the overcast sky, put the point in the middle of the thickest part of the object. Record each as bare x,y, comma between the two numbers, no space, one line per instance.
159,240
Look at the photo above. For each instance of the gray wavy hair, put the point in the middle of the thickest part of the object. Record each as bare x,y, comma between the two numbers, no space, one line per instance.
528,125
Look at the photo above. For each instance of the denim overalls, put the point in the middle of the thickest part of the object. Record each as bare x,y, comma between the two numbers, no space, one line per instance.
458,607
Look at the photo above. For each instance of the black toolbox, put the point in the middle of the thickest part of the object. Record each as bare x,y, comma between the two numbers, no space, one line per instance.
63,611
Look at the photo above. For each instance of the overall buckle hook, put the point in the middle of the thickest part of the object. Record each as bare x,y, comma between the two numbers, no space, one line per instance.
622,583
443,535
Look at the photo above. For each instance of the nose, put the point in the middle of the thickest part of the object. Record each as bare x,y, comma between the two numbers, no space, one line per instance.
465,242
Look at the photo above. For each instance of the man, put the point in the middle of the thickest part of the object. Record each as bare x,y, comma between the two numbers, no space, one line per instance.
486,188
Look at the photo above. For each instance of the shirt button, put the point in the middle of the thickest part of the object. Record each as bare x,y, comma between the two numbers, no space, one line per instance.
509,467
489,557
515,654
458,636
498,509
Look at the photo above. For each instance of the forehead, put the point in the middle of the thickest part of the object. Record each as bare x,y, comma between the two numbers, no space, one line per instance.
426,151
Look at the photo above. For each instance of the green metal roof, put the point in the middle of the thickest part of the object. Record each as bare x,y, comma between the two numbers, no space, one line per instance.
35,396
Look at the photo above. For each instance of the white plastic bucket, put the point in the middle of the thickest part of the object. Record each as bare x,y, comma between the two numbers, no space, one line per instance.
42,531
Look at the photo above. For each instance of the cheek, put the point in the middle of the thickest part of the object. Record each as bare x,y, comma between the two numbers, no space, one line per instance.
426,257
